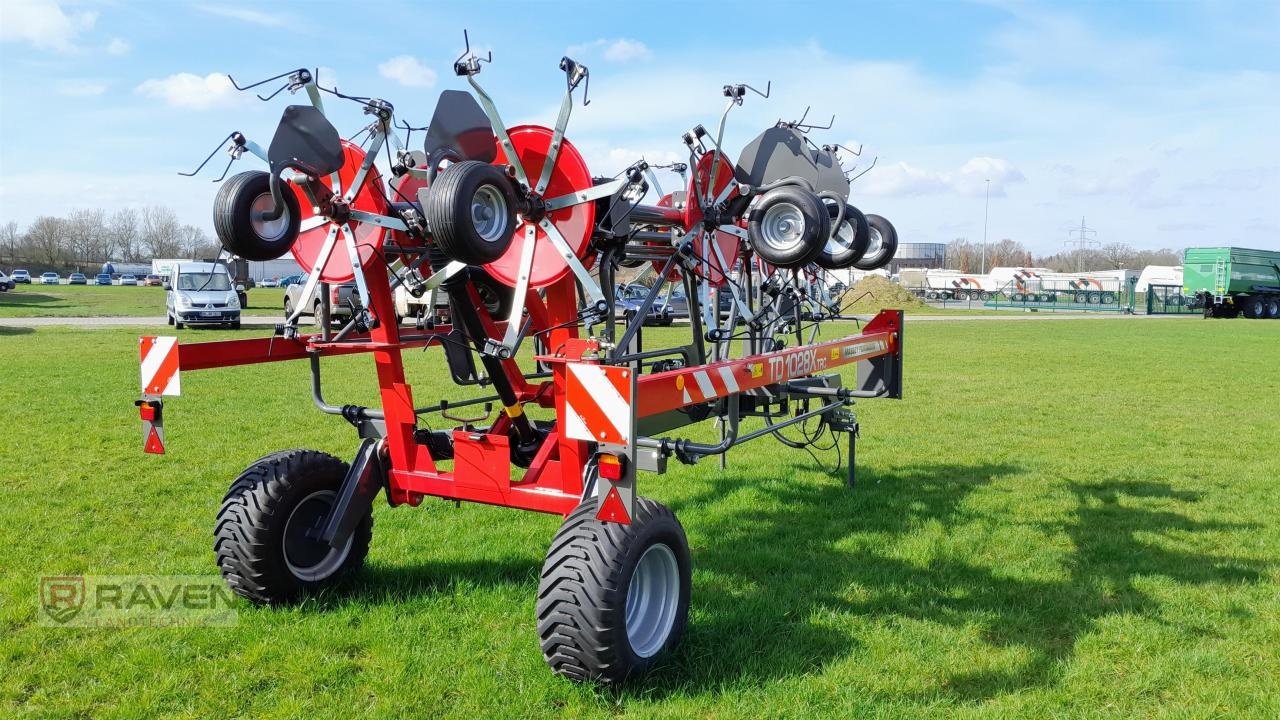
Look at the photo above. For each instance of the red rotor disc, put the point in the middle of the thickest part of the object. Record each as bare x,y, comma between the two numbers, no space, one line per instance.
724,176
575,222
673,275
368,237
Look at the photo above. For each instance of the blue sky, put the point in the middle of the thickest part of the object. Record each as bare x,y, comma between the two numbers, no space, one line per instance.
1157,121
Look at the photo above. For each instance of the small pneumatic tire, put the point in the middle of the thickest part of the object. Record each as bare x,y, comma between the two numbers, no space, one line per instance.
848,241
471,212
613,599
789,227
238,222
883,245
261,538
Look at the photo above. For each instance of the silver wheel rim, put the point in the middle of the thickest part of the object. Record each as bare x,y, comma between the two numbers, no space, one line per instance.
267,229
652,598
488,213
873,245
782,228
331,562
841,238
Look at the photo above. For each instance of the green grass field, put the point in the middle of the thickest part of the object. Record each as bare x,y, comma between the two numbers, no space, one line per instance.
111,301
1078,521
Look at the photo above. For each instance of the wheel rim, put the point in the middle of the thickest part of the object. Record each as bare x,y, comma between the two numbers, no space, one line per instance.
267,229
874,242
489,213
841,239
783,227
652,599
312,560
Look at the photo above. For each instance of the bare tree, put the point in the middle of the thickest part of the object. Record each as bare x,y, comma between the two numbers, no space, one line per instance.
196,243
10,239
45,241
161,232
122,228
86,236
1117,255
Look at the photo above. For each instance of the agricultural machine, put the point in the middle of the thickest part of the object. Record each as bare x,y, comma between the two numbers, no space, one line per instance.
527,246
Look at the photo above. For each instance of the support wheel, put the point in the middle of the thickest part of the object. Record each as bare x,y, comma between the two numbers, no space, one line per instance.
471,212
238,221
613,598
263,535
883,244
848,242
790,227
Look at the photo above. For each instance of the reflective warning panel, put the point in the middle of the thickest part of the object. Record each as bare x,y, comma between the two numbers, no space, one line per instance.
598,403
159,356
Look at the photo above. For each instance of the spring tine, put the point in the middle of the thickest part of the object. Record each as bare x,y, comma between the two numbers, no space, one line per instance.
226,170
261,82
215,152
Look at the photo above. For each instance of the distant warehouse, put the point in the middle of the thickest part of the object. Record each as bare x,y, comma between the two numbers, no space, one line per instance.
918,255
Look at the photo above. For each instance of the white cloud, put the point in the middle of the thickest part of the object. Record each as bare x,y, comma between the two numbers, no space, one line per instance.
186,90
970,180
43,24
256,17
617,50
406,70
80,88
118,47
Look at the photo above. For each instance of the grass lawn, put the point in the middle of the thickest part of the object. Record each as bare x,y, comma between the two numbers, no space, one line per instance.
1079,521
112,301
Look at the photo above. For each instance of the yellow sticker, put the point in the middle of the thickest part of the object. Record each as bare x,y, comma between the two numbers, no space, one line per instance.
679,382
757,369
835,353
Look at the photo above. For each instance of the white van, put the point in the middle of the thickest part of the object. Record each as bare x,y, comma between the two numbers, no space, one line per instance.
201,293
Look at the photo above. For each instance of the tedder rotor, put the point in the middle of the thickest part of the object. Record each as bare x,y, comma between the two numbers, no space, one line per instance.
509,226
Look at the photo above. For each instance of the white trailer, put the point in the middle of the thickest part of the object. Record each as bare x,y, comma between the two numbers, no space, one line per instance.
1159,275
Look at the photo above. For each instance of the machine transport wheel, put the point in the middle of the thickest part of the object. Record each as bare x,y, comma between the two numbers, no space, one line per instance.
883,245
1094,298
613,598
238,221
263,537
471,212
1273,307
1254,307
1108,298
790,227
984,296
1080,299
848,242
931,295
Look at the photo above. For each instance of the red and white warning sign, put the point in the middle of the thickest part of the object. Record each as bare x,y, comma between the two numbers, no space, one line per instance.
159,357
598,403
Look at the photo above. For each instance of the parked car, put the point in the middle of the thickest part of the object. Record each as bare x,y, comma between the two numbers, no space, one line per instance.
6,282
629,298
153,281
50,278
268,282
21,276
675,301
77,278
128,280
342,299
102,279
288,280
201,293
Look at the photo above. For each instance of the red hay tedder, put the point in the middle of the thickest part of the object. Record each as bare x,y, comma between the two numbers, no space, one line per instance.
524,246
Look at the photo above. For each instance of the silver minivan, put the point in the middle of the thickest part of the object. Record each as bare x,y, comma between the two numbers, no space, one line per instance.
201,293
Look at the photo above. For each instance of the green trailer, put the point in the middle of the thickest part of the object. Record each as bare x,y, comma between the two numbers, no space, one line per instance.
1229,281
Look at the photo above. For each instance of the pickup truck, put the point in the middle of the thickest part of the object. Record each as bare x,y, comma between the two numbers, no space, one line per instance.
342,298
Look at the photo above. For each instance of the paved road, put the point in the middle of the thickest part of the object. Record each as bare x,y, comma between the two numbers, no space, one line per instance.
271,321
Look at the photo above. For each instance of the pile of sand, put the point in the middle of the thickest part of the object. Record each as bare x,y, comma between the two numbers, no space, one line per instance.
874,293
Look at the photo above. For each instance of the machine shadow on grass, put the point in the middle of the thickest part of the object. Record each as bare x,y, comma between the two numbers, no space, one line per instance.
15,330
18,298
823,551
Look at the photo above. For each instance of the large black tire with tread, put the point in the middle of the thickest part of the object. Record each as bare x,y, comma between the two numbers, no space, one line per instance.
880,254
1273,307
452,215
234,207
772,219
583,593
257,541
848,242
1253,307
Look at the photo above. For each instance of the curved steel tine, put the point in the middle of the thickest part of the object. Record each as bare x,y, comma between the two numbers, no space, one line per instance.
225,170
215,152
277,92
261,82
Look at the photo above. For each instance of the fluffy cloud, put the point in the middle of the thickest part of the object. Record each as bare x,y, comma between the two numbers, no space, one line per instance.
618,50
406,70
970,179
118,46
186,90
43,24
